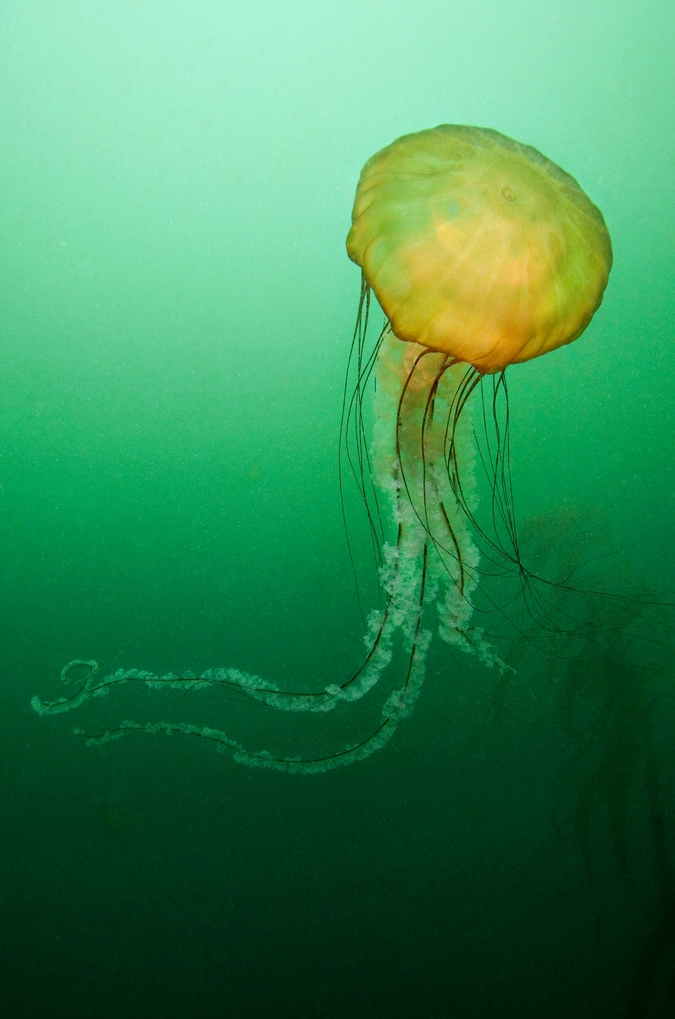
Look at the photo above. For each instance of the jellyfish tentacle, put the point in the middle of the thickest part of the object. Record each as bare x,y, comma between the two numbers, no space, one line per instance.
405,605
409,578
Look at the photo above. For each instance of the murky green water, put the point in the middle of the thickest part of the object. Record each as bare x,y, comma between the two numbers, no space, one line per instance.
176,184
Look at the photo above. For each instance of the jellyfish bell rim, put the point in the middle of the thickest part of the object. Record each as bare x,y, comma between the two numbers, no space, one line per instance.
478,246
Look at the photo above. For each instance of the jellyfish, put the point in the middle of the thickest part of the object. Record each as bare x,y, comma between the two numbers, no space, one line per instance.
481,253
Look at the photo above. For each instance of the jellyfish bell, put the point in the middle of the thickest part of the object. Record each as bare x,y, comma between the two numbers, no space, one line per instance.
478,246
481,253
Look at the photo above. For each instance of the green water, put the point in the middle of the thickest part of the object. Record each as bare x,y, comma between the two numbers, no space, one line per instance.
176,183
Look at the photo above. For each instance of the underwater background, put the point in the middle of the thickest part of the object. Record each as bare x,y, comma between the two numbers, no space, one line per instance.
176,183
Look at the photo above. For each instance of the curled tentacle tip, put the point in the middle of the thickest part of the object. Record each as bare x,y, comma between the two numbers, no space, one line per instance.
78,669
